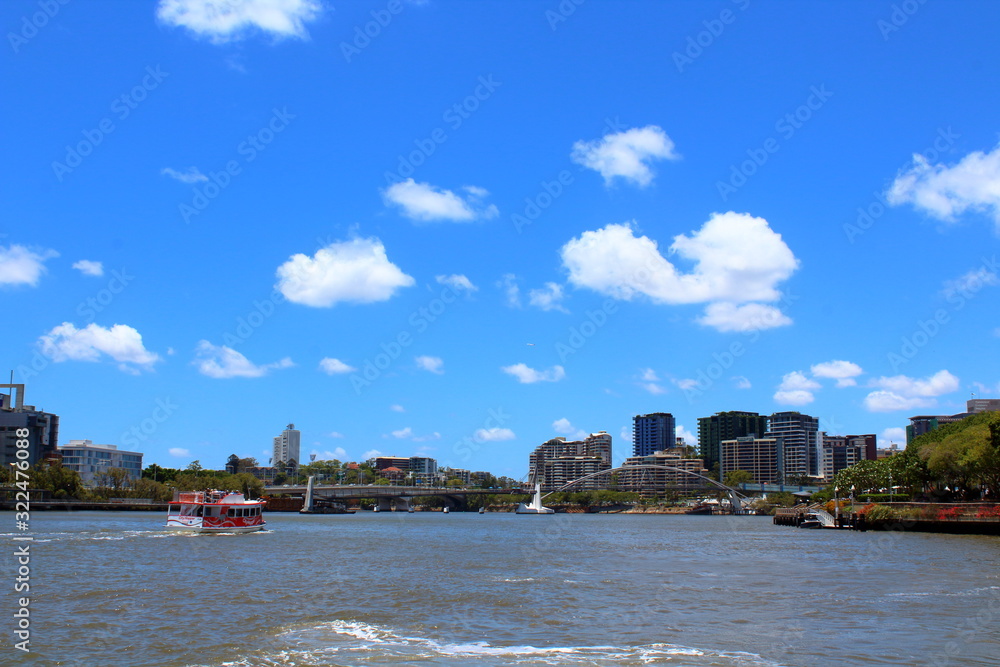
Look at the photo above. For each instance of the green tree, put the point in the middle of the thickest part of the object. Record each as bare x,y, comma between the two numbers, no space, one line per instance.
195,466
736,477
62,483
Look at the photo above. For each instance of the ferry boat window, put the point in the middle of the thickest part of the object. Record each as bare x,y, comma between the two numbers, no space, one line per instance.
232,511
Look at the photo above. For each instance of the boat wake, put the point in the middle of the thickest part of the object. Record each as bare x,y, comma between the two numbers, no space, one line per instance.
357,643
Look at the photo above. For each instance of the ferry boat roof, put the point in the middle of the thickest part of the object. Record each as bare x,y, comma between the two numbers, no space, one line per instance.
213,497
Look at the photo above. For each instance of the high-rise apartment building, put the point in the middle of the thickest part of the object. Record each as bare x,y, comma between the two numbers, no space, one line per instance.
802,445
761,457
286,447
726,426
20,422
843,451
670,474
655,432
559,461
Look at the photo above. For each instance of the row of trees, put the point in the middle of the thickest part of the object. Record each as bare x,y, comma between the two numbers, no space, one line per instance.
156,483
959,461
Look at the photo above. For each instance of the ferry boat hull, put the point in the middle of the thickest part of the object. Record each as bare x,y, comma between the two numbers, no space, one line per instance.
214,512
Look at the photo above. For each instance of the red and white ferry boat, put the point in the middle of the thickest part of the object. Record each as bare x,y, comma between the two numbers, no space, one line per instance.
214,512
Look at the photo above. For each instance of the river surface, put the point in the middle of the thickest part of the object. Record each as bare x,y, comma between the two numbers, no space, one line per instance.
499,589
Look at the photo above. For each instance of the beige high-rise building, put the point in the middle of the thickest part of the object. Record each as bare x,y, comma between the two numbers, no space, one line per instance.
286,447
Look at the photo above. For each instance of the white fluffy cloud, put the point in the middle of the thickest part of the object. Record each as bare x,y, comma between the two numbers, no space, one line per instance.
397,408
548,298
179,452
370,454
120,342
222,21
89,268
843,372
626,154
901,392
221,362
737,259
528,375
741,382
189,176
894,434
355,271
338,453
21,266
408,434
690,438
424,202
968,284
725,316
431,364
332,366
457,282
649,380
511,291
944,192
564,427
887,401
796,389
494,434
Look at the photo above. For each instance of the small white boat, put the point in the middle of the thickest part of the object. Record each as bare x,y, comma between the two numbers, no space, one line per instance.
446,510
482,510
214,512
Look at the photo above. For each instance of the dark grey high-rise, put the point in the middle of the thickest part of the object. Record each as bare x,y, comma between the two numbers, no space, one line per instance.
654,432
726,426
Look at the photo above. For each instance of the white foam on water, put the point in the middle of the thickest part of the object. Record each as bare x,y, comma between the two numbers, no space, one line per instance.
375,643
944,594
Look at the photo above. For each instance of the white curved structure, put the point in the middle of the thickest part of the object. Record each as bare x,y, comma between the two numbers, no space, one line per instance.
535,506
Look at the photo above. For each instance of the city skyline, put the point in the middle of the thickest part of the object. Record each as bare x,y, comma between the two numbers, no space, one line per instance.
428,241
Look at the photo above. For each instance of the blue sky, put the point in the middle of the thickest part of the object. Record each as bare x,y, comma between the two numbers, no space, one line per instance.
461,229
